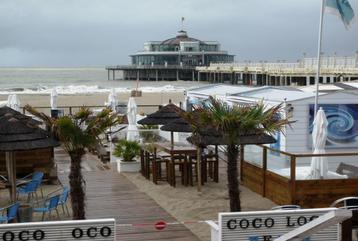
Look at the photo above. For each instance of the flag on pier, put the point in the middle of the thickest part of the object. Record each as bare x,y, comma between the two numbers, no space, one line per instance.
342,9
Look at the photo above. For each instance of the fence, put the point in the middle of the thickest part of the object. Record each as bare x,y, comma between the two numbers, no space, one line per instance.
285,177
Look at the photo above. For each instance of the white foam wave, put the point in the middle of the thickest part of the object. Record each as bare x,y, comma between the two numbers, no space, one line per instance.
87,89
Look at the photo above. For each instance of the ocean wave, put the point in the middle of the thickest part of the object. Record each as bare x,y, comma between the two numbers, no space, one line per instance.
85,89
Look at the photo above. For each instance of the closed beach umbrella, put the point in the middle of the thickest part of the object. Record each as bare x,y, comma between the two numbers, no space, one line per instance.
13,102
17,133
54,99
319,166
132,130
112,100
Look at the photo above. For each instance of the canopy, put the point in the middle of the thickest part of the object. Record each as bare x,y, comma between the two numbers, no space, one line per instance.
53,99
319,167
178,125
164,115
17,133
132,130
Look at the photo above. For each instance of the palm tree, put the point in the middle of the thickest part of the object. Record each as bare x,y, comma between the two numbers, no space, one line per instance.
77,133
232,123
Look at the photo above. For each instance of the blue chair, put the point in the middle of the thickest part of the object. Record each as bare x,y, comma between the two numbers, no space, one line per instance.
11,212
36,176
63,200
28,189
50,204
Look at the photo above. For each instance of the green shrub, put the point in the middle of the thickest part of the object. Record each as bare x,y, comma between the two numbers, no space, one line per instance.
127,150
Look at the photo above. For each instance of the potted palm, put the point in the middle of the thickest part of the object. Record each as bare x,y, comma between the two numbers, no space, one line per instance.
127,151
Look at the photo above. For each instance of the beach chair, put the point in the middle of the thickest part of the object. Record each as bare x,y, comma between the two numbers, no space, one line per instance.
350,203
286,207
29,189
63,200
9,213
49,205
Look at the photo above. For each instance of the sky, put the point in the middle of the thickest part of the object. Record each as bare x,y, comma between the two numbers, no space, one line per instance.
72,33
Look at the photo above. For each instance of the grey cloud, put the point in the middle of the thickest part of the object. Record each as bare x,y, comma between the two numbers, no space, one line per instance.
100,32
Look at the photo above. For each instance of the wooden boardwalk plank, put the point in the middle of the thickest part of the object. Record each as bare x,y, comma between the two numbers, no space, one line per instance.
111,195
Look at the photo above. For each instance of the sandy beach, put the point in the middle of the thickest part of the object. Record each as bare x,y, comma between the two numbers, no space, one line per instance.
187,204
99,99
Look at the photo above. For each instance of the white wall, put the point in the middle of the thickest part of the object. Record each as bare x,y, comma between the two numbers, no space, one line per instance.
298,138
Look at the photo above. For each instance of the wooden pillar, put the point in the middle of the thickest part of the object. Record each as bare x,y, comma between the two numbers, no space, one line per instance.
11,170
293,179
264,168
156,75
198,76
114,74
137,74
242,159
193,75
108,75
177,74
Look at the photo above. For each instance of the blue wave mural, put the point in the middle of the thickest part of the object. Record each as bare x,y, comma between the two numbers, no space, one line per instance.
342,124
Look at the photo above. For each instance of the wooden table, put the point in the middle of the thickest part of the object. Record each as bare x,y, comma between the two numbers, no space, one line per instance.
173,150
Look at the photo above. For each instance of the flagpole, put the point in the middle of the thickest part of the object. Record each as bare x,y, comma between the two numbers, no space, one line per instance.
319,57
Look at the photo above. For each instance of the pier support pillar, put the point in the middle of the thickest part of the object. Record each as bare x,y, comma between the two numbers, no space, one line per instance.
177,74
307,80
198,76
137,74
108,75
324,79
114,74
156,75
193,75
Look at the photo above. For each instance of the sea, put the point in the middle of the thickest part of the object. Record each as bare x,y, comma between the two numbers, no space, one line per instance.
77,80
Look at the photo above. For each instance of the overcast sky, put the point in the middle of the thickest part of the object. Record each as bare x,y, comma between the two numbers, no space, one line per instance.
103,32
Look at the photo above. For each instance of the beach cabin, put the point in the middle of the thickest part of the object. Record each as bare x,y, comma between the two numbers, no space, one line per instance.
282,171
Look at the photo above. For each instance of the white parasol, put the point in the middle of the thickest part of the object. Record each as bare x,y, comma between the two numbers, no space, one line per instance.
319,166
13,102
53,99
112,100
132,130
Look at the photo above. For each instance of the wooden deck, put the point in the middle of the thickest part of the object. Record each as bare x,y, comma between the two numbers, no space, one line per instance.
111,195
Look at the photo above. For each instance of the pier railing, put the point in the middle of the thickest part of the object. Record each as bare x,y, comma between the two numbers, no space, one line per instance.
69,110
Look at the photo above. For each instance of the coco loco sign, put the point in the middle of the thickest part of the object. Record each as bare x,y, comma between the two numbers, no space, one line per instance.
269,225
95,229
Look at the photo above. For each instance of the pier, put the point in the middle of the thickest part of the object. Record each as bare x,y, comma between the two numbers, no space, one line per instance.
153,72
333,69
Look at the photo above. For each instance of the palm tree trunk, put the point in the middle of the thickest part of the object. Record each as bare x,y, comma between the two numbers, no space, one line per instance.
232,177
76,184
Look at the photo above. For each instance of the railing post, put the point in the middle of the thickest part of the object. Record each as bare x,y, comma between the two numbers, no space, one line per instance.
293,179
264,168
242,153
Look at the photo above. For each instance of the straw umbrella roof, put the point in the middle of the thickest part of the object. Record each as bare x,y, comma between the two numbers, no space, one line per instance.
214,137
7,111
18,134
163,116
177,125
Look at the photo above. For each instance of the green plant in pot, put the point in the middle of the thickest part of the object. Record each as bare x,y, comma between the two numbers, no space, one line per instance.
127,150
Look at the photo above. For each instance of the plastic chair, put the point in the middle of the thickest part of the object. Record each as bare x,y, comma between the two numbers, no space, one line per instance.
29,188
36,176
49,205
63,200
11,212
350,203
286,207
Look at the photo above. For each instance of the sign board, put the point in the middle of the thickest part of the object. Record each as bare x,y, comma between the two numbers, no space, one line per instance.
95,229
269,225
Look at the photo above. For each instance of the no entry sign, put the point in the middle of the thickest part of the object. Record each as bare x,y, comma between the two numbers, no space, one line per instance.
160,225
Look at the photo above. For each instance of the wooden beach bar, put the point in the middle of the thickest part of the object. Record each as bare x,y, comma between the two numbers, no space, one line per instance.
283,188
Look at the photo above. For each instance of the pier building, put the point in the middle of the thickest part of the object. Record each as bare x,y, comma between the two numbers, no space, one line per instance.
172,59
301,73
